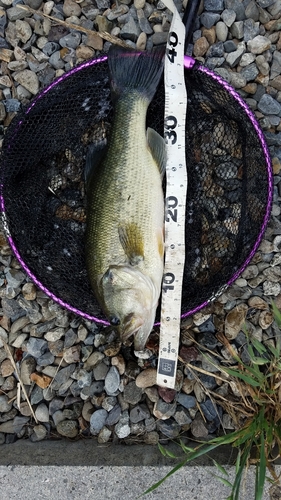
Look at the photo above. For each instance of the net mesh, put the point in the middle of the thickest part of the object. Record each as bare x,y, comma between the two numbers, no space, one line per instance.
42,177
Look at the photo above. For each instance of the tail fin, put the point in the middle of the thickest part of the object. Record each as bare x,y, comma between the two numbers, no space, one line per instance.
134,70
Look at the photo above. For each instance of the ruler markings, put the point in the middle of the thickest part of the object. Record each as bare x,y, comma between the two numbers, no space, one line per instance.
174,135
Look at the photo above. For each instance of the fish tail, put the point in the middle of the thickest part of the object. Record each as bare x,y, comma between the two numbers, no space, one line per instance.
132,70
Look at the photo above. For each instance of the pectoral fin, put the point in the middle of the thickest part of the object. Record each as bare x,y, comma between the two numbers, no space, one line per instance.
131,239
157,147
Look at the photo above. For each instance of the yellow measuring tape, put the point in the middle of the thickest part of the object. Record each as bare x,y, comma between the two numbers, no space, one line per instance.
176,188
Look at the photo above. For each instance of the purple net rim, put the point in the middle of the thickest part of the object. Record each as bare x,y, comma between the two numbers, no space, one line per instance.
188,63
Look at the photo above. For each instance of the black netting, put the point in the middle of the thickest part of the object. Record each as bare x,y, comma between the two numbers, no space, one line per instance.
43,185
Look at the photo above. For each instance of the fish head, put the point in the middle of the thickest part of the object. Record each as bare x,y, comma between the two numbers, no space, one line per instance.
130,299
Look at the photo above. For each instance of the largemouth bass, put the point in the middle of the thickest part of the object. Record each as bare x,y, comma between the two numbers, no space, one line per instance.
125,204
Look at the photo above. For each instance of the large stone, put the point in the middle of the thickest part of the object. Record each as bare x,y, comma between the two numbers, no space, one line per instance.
163,410
268,105
221,31
5,405
42,413
15,13
228,16
28,80
250,72
200,47
19,324
132,393
237,29
214,5
67,428
234,321
252,11
23,30
238,8
130,30
97,421
169,428
251,29
71,8
234,57
72,40
146,378
4,336
112,380
276,83
93,360
259,44
39,433
36,347
6,368
208,19
34,4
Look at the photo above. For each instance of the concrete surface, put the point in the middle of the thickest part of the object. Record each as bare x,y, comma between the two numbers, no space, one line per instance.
126,483
62,470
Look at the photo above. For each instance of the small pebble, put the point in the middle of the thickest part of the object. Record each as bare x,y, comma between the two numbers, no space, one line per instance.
67,428
112,380
97,421
39,433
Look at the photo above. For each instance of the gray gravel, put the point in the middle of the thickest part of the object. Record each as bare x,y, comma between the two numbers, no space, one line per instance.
79,382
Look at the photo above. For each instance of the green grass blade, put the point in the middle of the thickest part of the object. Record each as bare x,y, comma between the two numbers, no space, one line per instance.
260,470
162,449
220,467
165,452
275,351
170,454
206,448
242,376
185,448
276,314
238,460
239,473
259,361
246,434
223,480
258,346
251,352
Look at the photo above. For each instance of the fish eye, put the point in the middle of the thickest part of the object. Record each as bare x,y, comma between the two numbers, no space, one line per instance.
108,275
114,321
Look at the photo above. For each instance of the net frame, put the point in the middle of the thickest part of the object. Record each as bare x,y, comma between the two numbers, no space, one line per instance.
189,65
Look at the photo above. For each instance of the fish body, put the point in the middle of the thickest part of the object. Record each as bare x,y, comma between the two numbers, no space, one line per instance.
125,204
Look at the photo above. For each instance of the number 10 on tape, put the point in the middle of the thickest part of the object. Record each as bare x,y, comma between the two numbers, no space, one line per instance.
176,187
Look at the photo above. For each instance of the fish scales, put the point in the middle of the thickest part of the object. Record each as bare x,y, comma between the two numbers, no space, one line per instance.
125,190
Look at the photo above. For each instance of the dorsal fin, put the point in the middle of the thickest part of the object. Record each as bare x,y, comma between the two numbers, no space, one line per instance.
157,147
95,154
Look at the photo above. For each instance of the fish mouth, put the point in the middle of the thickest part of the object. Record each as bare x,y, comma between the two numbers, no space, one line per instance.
140,328
140,341
131,326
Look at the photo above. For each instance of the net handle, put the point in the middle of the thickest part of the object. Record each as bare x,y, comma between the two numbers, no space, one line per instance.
189,18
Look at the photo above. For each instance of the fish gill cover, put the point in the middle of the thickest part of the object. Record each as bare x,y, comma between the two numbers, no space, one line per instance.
43,190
